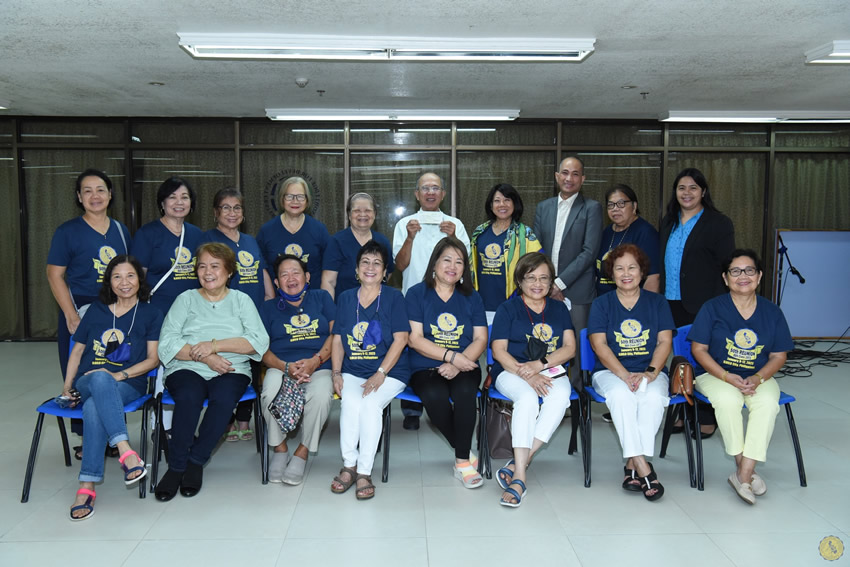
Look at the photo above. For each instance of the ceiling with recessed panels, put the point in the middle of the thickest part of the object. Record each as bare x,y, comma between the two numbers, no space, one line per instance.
98,58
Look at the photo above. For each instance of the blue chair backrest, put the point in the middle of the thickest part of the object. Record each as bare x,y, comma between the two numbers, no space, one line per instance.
682,347
588,357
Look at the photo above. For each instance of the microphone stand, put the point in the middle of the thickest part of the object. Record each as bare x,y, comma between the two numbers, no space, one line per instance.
783,255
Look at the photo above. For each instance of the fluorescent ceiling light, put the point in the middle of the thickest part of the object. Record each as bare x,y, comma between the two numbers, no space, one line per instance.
361,48
832,52
355,114
762,117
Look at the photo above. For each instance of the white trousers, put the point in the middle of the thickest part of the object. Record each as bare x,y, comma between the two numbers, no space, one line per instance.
532,420
636,415
360,420
318,395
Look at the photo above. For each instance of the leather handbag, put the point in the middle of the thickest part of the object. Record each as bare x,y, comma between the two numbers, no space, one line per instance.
288,405
499,429
682,378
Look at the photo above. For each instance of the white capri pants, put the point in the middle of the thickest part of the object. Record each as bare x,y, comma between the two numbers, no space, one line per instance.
636,415
360,420
318,395
532,420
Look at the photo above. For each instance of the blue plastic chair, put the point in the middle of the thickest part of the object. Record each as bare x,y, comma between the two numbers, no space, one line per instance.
160,439
682,347
588,363
50,407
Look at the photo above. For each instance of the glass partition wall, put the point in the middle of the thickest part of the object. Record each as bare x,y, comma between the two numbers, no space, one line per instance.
764,177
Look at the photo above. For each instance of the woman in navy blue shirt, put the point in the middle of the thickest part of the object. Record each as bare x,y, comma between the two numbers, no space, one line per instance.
115,348
742,340
369,365
448,333
532,341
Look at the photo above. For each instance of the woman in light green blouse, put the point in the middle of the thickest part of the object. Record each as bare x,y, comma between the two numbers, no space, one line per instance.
206,341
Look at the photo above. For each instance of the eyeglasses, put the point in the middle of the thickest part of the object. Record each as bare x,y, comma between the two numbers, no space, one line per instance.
619,204
228,208
430,188
300,198
534,279
735,272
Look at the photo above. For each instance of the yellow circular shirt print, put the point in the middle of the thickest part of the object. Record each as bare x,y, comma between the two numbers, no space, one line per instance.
446,322
245,258
294,249
106,254
746,339
493,251
543,332
182,254
631,328
831,548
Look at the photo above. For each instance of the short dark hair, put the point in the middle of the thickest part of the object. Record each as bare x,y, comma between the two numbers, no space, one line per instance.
223,194
530,262
90,172
108,296
465,283
509,192
625,190
578,159
171,185
737,253
373,247
281,258
673,206
622,250
221,252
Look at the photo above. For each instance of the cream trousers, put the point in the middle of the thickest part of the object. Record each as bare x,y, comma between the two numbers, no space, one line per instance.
318,395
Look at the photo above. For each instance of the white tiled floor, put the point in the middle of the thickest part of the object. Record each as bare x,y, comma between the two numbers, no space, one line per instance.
423,516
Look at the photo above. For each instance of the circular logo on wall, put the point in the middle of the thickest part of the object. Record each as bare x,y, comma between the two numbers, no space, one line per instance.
274,186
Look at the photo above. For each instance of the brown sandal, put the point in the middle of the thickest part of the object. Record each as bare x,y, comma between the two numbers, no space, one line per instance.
352,478
363,492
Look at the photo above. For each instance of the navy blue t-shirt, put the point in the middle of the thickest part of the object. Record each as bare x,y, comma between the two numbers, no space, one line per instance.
448,324
96,330
351,322
341,257
641,234
85,253
156,248
741,346
631,334
249,264
299,332
308,243
491,268
512,322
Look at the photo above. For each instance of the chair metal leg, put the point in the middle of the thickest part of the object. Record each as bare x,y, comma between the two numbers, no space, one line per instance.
157,440
385,435
36,435
575,418
698,435
672,414
686,434
484,464
64,435
801,469
259,438
143,445
588,437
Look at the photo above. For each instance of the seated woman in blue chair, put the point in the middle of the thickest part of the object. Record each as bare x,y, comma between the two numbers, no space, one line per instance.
115,348
448,333
532,334
369,366
741,340
208,337
631,332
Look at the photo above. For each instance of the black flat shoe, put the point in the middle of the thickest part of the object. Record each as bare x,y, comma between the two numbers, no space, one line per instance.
411,422
167,487
704,435
192,481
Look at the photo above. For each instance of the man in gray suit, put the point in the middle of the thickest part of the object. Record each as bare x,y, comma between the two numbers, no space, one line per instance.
570,229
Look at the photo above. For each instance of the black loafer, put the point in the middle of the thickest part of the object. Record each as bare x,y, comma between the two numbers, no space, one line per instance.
411,422
166,488
192,481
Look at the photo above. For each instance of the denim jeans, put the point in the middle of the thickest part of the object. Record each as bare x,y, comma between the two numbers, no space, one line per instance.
189,391
103,400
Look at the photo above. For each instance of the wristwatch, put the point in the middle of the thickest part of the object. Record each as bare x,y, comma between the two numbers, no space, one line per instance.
545,361
382,371
650,369
124,374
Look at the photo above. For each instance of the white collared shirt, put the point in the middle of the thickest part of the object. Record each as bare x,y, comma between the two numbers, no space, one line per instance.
423,245
564,207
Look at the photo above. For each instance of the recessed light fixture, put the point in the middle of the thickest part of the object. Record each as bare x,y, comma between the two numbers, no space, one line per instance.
361,48
354,114
628,87
832,52
763,117
156,84
5,105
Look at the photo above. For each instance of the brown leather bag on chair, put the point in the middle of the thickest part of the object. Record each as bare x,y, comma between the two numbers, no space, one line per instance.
682,378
